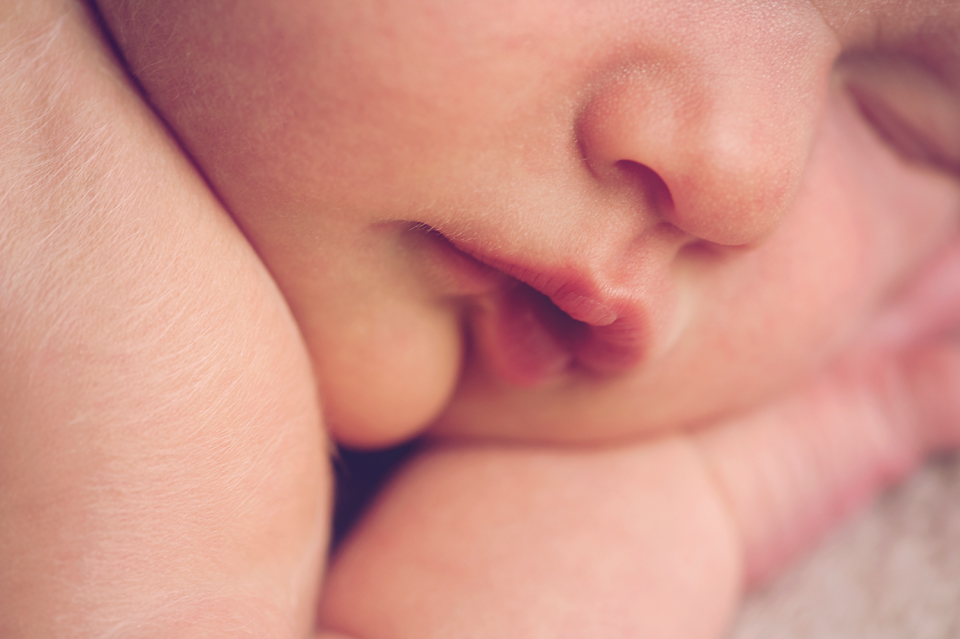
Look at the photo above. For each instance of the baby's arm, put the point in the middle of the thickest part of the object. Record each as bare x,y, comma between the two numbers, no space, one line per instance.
656,539
162,465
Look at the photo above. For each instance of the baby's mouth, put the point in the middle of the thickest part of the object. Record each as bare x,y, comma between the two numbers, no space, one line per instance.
524,337
538,324
528,340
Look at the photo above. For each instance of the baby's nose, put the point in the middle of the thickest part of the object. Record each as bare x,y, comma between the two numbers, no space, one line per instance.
722,117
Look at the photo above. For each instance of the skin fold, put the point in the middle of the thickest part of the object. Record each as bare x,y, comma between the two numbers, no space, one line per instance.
162,464
666,302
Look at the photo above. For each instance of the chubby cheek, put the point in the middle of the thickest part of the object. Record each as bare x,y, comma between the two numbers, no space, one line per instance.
864,220
386,347
385,373
901,211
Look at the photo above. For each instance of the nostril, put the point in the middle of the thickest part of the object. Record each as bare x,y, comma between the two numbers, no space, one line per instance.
645,185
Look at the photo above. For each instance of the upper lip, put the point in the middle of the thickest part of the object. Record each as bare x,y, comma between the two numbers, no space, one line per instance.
616,323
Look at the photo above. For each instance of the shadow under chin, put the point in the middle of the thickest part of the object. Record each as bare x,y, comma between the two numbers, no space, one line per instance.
360,474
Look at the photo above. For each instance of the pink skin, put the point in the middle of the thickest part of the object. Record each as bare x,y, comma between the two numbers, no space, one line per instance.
659,538
662,184
711,191
162,467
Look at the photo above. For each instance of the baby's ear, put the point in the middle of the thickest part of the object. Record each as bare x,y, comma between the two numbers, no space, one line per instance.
723,118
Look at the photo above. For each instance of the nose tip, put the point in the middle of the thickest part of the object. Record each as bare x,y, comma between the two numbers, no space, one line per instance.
732,189
726,148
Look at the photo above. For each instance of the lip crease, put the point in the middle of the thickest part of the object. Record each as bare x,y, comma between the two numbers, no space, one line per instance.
553,320
467,275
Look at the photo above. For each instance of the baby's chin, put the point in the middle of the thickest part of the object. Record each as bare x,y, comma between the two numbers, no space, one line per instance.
704,376
714,364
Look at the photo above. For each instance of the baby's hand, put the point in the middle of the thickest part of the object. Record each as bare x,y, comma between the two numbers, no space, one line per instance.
655,539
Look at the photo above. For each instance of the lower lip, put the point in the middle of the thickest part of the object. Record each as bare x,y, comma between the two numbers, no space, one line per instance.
523,337
528,341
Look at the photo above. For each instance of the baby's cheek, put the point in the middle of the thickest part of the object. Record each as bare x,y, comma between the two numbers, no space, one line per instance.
385,375
864,221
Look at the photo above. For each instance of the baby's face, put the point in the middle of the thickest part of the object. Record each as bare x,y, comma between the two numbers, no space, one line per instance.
566,219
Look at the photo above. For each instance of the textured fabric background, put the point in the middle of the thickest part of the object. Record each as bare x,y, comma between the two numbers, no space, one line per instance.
892,572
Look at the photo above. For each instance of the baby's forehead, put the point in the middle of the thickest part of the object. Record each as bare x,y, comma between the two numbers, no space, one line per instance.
891,19
924,28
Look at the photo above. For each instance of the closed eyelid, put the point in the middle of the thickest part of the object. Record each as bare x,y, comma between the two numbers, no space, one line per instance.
922,142
908,105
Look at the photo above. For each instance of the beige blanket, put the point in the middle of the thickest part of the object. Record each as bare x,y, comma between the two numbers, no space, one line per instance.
892,572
